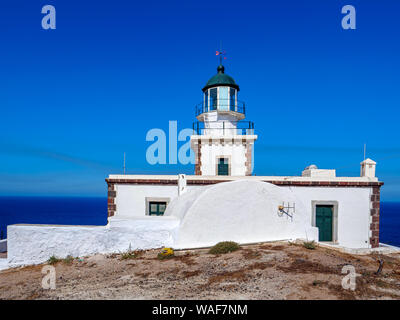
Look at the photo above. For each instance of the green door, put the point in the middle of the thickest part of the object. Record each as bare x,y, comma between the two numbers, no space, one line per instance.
324,222
223,167
157,208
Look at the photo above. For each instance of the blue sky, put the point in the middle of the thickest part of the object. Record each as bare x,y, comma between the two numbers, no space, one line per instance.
73,99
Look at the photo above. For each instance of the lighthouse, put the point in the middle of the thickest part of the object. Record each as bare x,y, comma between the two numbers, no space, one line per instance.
223,143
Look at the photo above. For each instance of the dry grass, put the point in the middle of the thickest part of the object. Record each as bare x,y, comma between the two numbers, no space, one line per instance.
250,254
306,266
187,259
262,271
188,274
272,247
142,274
230,276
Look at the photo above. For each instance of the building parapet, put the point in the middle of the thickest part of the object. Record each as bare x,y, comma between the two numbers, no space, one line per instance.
277,180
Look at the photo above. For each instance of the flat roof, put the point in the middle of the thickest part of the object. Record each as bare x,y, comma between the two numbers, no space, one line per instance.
279,180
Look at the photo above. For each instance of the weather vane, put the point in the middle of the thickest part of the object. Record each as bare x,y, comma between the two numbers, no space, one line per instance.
221,55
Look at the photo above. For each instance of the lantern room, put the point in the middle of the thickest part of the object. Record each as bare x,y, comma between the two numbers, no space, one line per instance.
221,94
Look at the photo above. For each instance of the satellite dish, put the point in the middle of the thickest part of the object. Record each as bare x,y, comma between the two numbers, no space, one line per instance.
312,166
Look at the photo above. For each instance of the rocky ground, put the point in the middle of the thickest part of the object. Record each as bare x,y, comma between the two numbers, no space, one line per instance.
263,271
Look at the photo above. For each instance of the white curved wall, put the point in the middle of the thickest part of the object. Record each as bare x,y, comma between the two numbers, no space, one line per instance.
243,211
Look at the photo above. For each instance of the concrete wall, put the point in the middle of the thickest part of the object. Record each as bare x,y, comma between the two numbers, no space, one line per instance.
352,206
353,211
241,211
131,199
235,152
32,244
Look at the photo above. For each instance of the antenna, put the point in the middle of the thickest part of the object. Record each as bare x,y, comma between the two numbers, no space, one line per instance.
124,164
220,50
365,150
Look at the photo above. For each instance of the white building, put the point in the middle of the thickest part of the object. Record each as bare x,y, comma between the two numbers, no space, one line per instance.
344,209
222,201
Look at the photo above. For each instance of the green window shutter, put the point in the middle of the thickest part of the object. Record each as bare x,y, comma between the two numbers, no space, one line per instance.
157,208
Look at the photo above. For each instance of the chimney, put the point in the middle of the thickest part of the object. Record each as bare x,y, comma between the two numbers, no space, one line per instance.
368,168
181,184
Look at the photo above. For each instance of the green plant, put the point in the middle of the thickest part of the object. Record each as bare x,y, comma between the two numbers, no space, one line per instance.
316,283
224,247
165,253
68,260
311,245
53,260
128,255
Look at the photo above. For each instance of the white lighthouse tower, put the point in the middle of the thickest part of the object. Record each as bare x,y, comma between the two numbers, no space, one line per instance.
222,141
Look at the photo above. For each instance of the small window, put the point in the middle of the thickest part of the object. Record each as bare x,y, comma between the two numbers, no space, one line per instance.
223,167
157,208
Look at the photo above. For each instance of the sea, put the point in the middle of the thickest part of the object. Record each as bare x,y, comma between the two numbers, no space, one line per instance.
93,211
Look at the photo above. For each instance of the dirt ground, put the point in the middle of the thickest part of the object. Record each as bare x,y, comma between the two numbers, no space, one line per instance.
262,271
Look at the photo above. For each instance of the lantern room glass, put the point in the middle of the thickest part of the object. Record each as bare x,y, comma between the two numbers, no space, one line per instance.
213,98
232,99
220,98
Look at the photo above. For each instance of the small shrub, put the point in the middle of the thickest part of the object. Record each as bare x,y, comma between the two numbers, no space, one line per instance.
128,255
311,245
165,253
68,260
224,247
53,260
316,283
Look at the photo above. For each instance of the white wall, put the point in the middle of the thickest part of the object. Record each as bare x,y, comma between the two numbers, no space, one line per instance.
353,211
131,202
235,152
353,220
32,244
131,199
243,211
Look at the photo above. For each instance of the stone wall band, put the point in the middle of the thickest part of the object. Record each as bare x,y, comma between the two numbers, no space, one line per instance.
111,205
375,217
275,182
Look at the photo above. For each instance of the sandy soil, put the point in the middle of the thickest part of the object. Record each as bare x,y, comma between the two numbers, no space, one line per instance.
263,271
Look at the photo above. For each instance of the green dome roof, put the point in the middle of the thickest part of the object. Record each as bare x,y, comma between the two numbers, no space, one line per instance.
221,79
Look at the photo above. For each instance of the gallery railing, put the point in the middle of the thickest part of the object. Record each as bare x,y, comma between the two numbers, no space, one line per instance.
223,128
221,105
